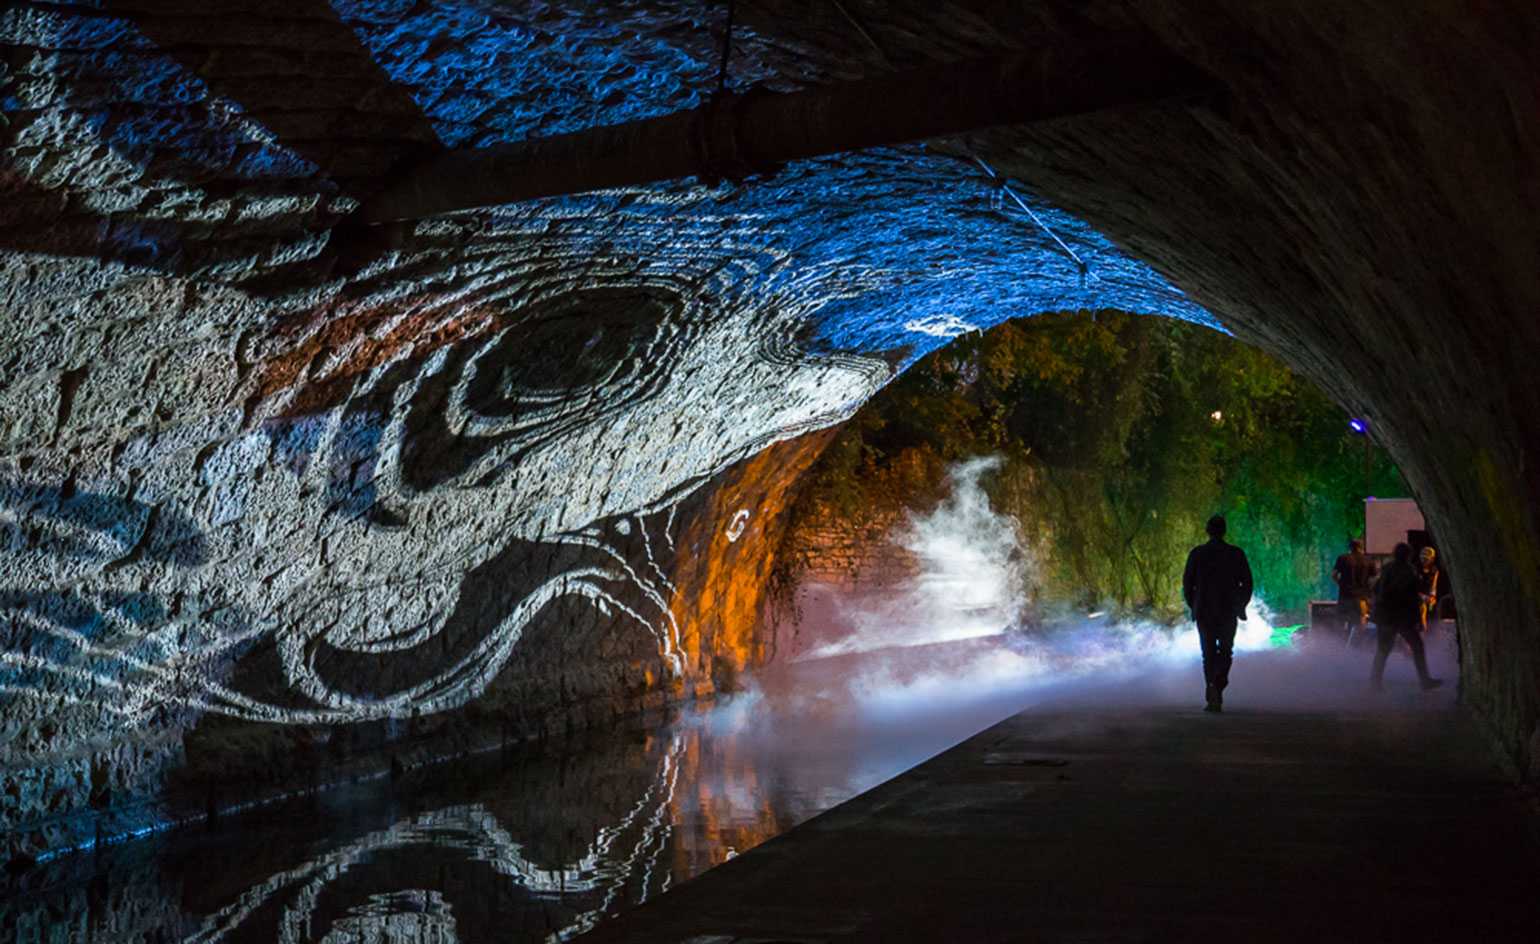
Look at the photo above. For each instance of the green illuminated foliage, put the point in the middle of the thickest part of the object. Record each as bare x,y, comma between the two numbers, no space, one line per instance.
1121,435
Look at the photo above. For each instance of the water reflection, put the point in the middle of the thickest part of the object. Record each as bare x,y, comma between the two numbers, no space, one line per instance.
535,847
526,848
535,851
478,874
541,847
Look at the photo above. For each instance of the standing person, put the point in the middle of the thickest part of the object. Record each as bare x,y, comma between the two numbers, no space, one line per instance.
1217,587
1395,612
1354,575
1427,586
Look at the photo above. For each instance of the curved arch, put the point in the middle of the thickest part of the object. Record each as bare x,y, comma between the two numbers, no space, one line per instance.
172,341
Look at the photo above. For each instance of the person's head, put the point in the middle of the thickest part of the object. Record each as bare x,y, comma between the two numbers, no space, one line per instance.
1403,552
1355,545
1426,555
1215,527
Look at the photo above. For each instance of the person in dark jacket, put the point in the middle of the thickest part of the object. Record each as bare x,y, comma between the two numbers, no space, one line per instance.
1354,574
1396,606
1217,587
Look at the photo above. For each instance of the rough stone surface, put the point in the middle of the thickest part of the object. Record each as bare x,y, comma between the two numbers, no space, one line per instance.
240,487
856,548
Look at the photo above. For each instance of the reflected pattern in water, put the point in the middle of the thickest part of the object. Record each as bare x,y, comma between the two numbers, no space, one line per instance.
513,849
539,847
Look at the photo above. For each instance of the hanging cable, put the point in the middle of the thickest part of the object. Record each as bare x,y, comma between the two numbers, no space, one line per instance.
727,50
1005,187
865,34
716,133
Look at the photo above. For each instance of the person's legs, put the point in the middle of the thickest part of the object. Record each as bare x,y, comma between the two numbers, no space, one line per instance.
1355,618
1217,640
1224,648
1419,656
1206,644
1383,643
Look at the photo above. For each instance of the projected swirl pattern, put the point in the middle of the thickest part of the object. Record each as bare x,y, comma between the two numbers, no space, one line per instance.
349,893
444,464
233,481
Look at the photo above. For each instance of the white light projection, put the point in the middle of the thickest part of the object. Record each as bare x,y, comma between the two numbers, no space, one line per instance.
738,525
462,455
626,854
508,444
518,386
236,481
939,326
438,455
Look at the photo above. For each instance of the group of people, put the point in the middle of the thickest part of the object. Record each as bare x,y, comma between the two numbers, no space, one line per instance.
1400,600
1217,586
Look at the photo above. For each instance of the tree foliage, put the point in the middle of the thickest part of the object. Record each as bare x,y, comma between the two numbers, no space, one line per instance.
1121,435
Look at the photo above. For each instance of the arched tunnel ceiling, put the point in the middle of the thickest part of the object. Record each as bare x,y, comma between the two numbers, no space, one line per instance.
215,449
885,253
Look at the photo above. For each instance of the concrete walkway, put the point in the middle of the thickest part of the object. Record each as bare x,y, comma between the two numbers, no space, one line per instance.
1128,815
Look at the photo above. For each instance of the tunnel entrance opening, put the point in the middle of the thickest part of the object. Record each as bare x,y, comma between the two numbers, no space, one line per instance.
561,841
220,451
1041,483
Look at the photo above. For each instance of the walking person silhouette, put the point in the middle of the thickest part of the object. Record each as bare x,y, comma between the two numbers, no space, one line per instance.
1396,607
1217,586
1354,574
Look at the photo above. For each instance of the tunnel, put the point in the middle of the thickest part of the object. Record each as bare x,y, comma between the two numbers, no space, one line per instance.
343,429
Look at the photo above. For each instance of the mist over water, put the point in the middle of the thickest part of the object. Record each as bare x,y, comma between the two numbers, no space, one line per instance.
560,841
943,656
973,572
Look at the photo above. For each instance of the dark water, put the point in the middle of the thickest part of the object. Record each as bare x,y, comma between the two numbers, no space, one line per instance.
543,847
526,848
532,847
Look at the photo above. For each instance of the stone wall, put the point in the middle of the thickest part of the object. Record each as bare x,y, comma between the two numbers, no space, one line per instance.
723,577
842,554
259,472
835,550
277,503
1361,204
1357,198
850,544
667,611
834,563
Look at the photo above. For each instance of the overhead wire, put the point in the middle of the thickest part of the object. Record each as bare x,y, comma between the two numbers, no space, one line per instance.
1003,185
727,50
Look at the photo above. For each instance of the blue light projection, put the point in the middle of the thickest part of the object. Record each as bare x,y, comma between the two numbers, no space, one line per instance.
985,266
484,75
935,252
677,329
393,429
892,250
938,256
123,92
925,247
